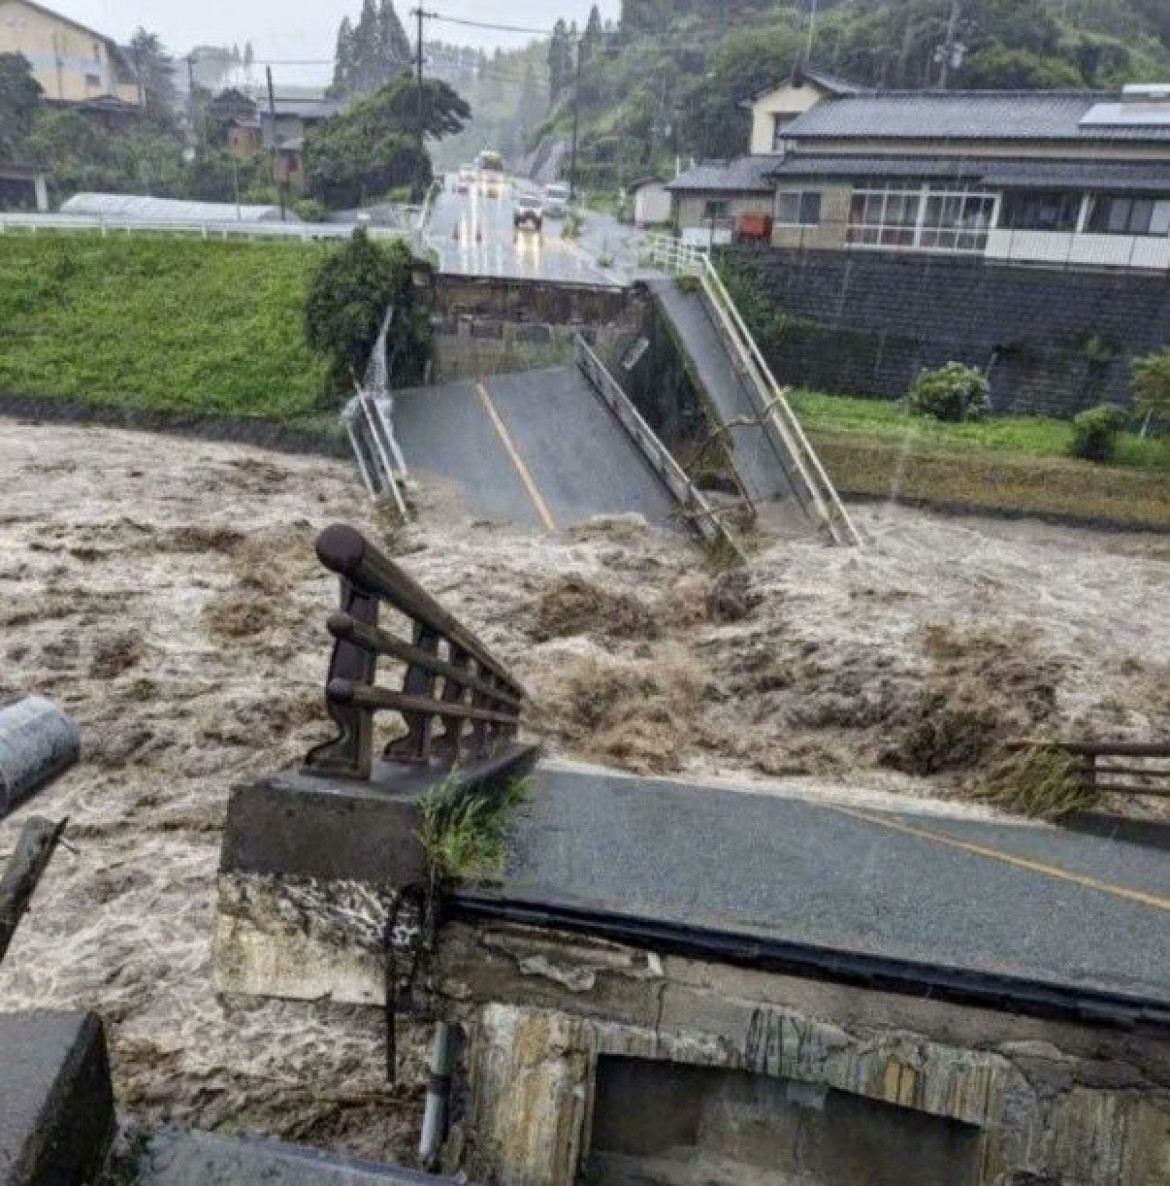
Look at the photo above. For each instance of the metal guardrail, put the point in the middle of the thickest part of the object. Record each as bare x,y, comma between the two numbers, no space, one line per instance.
226,229
674,255
700,516
780,422
1116,767
369,425
479,706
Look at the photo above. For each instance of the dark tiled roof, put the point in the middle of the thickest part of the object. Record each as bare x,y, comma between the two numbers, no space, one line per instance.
744,175
963,115
1120,176
823,79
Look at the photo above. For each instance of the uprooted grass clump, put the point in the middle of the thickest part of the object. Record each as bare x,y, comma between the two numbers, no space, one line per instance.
464,831
572,605
1042,781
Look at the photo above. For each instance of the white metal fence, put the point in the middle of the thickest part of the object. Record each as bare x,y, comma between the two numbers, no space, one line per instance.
778,420
674,255
299,231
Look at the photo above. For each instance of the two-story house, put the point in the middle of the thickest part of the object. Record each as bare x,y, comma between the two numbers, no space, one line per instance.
72,62
1075,178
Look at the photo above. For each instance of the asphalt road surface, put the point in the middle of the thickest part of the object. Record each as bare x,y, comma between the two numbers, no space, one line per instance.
536,449
1032,902
474,236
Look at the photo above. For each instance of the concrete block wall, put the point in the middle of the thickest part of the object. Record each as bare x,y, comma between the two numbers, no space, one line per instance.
867,323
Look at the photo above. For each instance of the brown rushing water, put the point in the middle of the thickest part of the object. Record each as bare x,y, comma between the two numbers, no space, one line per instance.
134,572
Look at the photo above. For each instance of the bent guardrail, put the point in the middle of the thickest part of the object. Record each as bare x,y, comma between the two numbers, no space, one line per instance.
780,423
479,705
698,512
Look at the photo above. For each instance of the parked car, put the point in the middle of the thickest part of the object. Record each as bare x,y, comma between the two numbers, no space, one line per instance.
528,213
556,200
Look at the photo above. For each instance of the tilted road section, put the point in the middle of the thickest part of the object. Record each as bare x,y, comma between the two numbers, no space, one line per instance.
537,449
778,471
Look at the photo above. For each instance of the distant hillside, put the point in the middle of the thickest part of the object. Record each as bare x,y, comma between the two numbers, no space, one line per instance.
671,80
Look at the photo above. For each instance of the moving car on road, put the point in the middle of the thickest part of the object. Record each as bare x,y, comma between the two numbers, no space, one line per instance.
465,179
490,166
528,213
556,200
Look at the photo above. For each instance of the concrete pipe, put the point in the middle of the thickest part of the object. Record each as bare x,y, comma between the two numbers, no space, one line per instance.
37,742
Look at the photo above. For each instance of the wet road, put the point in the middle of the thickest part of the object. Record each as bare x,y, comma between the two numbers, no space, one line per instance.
473,235
998,898
537,449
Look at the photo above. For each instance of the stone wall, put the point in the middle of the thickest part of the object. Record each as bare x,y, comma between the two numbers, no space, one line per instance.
1007,1096
866,323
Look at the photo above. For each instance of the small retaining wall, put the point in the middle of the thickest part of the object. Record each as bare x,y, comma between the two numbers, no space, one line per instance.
867,323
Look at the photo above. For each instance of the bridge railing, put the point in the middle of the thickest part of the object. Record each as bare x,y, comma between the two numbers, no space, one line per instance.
673,255
1116,767
699,513
456,700
779,421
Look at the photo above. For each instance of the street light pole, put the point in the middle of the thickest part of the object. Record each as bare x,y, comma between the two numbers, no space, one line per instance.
576,123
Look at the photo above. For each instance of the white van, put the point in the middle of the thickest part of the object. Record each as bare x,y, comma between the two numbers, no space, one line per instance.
556,200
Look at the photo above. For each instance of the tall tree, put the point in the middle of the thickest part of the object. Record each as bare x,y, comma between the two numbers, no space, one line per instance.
20,96
372,147
343,60
154,71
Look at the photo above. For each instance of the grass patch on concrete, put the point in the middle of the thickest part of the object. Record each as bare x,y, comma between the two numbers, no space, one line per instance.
160,323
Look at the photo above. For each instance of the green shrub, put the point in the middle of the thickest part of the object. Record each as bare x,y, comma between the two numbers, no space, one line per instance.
309,210
1151,386
1095,433
688,283
348,300
952,393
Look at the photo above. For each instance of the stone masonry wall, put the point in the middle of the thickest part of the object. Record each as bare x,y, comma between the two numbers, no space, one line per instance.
866,324
1035,1100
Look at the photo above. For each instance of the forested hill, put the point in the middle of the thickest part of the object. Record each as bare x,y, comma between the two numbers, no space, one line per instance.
669,79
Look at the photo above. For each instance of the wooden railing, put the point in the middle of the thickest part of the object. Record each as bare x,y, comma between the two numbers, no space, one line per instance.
1117,767
452,682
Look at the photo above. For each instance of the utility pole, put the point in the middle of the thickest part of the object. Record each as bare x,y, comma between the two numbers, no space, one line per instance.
576,123
951,53
275,150
421,15
812,30
192,106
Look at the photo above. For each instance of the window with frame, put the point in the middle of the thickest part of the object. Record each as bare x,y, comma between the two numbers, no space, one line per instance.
93,81
716,208
921,218
1130,216
798,208
1041,210
780,124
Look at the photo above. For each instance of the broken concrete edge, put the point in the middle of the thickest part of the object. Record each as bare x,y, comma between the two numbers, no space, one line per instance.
742,949
295,824
57,1121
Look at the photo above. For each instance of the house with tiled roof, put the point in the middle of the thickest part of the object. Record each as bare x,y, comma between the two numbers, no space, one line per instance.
1076,178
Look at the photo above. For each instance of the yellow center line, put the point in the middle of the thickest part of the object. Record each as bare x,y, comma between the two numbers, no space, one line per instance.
995,854
518,461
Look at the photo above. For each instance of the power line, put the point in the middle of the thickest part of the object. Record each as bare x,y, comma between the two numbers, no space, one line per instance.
452,20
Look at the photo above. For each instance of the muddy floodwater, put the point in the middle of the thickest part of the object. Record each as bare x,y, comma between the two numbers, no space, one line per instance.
165,592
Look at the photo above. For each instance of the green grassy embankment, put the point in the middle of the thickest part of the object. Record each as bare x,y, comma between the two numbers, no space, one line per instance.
160,324
1012,464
